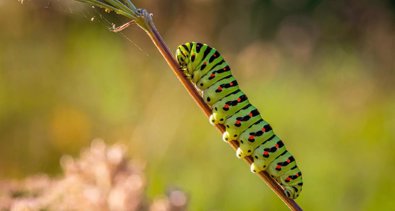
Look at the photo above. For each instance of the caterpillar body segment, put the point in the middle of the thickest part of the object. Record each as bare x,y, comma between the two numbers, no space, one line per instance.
266,153
227,106
240,121
211,74
252,137
220,70
273,157
292,182
281,164
220,90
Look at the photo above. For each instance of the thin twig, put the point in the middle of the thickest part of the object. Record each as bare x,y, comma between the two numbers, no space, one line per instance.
144,20
121,28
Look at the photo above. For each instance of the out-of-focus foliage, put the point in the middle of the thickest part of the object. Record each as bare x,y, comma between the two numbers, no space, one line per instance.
321,72
102,178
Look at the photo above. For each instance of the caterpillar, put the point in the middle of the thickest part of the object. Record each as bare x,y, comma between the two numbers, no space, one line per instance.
210,73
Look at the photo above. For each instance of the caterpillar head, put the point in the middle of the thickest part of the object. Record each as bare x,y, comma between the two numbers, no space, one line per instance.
182,56
184,53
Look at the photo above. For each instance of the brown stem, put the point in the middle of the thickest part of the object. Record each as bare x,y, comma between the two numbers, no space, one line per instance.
164,50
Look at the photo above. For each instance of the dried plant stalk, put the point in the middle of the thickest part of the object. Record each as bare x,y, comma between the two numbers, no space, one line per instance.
144,20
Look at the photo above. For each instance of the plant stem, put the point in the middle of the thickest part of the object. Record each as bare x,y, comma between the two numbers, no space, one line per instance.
157,39
144,20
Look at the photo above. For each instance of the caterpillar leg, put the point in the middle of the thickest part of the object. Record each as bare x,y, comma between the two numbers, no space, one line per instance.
244,150
212,120
229,136
239,153
226,137
258,166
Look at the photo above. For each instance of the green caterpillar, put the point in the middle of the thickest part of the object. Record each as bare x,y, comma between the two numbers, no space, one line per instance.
210,73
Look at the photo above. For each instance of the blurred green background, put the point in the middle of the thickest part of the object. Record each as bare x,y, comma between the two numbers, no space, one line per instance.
320,71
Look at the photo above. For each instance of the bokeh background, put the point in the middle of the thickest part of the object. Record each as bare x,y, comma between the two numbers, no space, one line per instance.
320,71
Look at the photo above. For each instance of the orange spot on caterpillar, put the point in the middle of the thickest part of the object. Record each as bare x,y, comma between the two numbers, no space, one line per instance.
288,161
250,114
226,106
219,88
212,75
263,129
266,153
231,83
251,137
277,146
238,99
